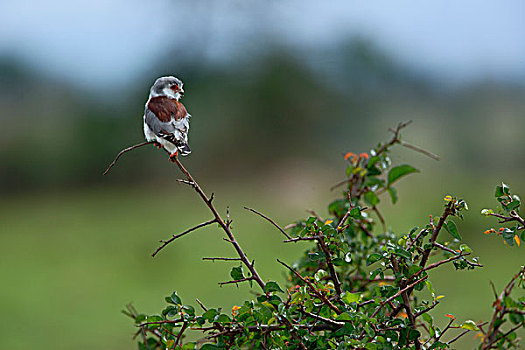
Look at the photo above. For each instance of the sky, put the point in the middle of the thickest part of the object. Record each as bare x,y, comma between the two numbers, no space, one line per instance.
109,42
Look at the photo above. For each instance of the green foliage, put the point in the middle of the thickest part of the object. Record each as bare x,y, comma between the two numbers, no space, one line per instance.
356,286
513,232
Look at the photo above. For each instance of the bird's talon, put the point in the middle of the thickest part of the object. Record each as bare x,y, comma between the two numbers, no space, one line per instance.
173,156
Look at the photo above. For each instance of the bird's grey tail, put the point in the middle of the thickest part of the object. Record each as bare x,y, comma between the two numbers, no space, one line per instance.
183,147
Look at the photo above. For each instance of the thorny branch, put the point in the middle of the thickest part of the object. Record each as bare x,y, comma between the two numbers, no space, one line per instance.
292,325
376,311
501,309
512,217
208,201
329,262
435,232
225,227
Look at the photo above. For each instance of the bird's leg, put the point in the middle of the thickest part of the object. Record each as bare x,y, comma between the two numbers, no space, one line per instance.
157,144
174,156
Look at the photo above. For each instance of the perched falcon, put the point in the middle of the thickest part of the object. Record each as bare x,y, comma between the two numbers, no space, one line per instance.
166,120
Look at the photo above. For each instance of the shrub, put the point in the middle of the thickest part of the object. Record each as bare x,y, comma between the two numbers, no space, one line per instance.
357,286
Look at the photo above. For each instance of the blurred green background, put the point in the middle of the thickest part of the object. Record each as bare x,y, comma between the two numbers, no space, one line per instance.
278,93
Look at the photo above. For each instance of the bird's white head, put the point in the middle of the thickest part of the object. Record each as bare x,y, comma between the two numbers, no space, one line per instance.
167,86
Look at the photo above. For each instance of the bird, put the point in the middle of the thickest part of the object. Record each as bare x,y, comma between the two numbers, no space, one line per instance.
166,121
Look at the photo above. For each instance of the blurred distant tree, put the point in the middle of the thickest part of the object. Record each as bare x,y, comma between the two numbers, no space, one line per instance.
279,105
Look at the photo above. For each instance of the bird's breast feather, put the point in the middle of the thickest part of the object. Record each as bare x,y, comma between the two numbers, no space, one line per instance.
166,108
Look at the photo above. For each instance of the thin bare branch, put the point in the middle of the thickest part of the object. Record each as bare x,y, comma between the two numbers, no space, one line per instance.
131,148
434,304
397,294
419,149
323,319
378,213
416,238
160,322
222,259
237,281
184,326
270,220
297,239
441,262
458,336
174,237
201,305
340,183
186,182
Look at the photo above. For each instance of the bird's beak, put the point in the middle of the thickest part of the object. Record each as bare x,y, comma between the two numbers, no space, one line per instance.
181,92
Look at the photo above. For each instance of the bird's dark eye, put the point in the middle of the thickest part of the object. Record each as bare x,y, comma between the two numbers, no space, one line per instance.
175,87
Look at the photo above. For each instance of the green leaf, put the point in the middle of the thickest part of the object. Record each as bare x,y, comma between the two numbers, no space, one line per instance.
349,298
514,204
516,318
372,161
430,288
508,236
190,310
487,212
170,311
372,258
452,229
141,318
345,316
371,346
402,253
272,287
439,345
371,198
501,190
338,207
338,261
465,248
372,171
173,299
223,318
428,318
237,273
210,315
470,325
413,269
393,194
189,346
355,212
413,335
154,318
399,171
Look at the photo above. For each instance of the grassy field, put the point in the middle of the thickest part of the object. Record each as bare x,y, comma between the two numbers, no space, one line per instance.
69,262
